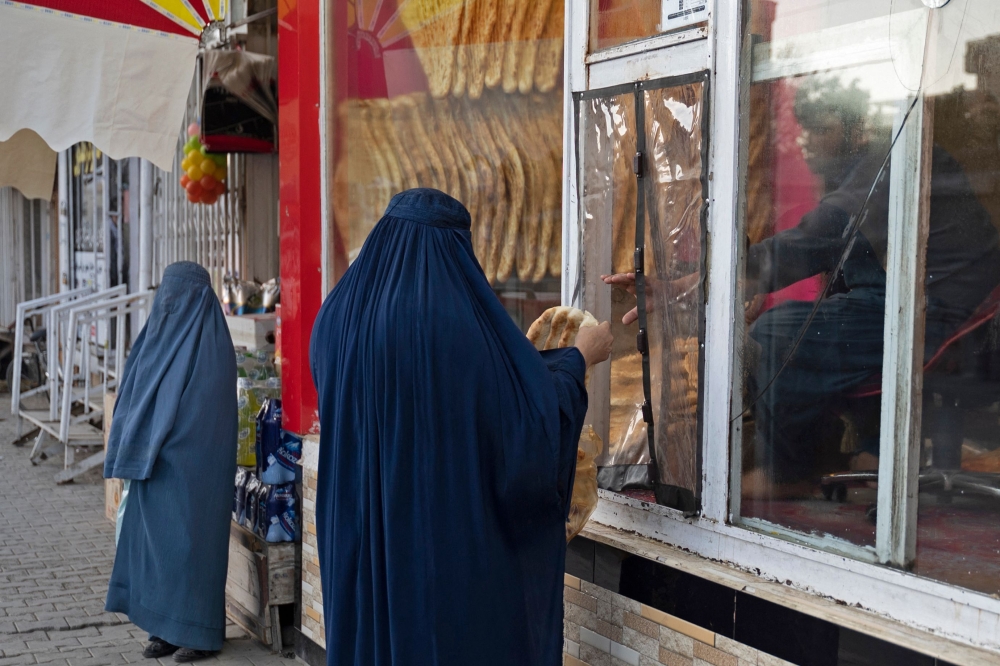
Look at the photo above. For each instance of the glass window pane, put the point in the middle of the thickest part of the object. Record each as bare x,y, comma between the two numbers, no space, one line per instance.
466,99
958,528
614,22
830,82
672,198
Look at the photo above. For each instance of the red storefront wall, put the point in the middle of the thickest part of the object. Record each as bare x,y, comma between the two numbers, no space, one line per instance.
299,158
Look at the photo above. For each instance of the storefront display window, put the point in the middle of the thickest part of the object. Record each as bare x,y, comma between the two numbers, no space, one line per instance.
832,323
958,520
642,162
615,22
871,161
465,97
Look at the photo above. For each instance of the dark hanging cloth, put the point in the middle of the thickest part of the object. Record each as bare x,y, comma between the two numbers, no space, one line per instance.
173,435
448,448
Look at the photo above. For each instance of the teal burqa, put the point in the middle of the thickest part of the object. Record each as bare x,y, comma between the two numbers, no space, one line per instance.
173,435
447,454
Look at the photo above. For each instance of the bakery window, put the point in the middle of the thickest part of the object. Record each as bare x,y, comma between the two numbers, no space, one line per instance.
642,188
464,97
813,394
870,281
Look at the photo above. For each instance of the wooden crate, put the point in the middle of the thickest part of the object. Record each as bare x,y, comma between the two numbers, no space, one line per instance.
112,487
262,576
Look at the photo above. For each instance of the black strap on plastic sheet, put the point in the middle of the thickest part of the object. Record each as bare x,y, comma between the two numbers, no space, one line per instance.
673,496
642,339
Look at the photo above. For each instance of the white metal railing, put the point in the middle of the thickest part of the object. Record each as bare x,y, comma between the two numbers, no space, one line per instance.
58,340
93,355
42,308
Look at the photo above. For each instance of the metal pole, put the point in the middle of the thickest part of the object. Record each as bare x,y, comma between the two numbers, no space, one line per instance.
65,250
145,225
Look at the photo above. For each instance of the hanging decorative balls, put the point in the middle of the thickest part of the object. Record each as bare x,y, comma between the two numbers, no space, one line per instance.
204,176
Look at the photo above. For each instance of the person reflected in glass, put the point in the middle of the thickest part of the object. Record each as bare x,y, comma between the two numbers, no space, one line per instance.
795,377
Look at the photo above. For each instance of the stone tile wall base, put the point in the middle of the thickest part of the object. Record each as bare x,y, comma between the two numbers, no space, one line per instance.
606,629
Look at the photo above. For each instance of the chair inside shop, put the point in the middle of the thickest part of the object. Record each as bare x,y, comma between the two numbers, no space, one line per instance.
960,382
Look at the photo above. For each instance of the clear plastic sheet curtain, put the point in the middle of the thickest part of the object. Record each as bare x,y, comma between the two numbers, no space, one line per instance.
673,198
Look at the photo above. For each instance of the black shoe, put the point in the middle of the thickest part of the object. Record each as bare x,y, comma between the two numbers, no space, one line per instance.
185,655
158,648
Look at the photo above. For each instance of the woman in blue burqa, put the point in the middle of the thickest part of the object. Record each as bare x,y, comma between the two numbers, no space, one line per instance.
173,440
447,455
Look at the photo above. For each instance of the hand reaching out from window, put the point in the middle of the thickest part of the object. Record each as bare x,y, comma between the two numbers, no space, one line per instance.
675,289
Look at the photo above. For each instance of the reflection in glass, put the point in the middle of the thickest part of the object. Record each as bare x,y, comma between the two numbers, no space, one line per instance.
815,290
958,526
615,22
465,98
818,139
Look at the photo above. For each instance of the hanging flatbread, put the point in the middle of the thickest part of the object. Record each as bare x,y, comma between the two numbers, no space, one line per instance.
514,46
513,172
549,59
460,79
434,27
534,27
386,123
506,9
482,37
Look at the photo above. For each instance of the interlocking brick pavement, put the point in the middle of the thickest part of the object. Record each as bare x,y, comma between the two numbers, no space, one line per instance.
56,552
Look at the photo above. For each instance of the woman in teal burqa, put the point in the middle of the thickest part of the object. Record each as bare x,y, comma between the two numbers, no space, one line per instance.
173,440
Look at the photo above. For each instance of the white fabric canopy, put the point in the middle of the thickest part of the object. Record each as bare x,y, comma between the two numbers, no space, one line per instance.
72,79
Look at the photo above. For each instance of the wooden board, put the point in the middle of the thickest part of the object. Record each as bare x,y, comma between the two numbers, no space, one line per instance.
84,432
261,577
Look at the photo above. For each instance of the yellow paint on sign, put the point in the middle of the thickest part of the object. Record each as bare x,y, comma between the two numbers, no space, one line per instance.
180,12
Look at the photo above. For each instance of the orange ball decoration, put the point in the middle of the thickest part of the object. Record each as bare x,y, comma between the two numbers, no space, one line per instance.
208,183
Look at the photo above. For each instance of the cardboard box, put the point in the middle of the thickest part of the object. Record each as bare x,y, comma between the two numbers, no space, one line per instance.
254,332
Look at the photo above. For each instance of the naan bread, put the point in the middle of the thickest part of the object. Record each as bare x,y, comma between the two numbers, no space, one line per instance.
558,326
555,329
584,500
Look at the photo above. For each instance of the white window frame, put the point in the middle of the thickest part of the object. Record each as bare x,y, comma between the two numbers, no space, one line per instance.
825,567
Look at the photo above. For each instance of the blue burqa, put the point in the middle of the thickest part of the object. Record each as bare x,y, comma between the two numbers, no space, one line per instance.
173,435
448,449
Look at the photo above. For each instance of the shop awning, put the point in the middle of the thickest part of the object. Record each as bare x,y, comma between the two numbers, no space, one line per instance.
115,73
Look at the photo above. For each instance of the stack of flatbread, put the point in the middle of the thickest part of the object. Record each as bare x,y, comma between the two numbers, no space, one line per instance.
501,156
684,377
466,46
557,328
627,431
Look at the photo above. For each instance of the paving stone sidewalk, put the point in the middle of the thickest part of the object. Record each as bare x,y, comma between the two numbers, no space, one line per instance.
56,552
